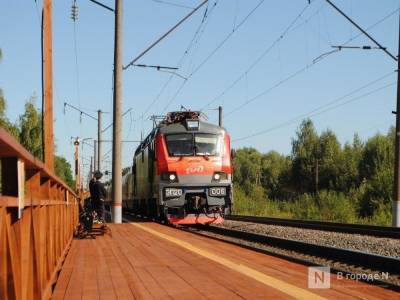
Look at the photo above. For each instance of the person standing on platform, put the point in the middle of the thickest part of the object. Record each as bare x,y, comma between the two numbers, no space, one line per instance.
98,194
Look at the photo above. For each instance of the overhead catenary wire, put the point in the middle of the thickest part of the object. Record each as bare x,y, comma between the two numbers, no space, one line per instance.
372,26
301,70
123,115
326,107
206,16
260,57
173,4
164,36
316,113
212,53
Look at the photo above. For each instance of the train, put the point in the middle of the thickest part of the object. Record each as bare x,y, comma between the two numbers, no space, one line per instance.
181,172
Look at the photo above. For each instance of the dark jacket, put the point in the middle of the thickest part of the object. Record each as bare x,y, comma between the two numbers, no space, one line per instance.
98,191
91,183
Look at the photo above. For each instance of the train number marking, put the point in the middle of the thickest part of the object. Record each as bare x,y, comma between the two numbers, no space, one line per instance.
192,170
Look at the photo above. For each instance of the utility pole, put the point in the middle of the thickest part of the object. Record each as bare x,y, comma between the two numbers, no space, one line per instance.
220,115
396,196
95,155
47,102
99,140
77,168
91,167
117,101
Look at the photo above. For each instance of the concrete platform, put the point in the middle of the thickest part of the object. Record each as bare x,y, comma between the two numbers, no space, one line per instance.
151,261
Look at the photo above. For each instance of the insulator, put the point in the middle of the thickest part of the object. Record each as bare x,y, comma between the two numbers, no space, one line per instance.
74,12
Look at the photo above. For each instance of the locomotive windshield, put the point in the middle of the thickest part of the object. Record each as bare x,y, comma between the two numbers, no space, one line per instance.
200,144
180,144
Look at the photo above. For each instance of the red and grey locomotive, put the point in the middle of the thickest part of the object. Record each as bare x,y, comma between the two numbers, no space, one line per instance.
181,172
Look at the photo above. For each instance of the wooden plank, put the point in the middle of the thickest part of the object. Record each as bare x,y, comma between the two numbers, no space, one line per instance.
91,289
130,253
25,252
66,273
103,273
8,201
38,283
21,186
136,285
14,259
75,285
10,147
121,287
3,255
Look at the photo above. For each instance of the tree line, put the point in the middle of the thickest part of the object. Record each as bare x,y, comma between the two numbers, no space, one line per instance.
320,179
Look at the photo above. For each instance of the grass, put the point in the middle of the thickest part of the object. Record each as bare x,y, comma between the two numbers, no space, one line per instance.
326,206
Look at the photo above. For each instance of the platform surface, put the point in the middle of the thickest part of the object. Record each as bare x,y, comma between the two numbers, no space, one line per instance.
152,261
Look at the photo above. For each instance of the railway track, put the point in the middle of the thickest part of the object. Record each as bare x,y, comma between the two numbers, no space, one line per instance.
341,260
378,231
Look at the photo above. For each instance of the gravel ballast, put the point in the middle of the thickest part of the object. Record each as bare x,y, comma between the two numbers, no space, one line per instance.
371,244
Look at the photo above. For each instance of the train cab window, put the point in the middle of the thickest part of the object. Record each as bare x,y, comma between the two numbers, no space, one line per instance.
207,144
180,144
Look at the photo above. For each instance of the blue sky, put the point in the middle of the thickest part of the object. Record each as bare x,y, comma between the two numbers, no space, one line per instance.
282,97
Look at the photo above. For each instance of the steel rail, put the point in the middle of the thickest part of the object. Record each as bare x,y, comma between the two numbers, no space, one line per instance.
353,257
379,231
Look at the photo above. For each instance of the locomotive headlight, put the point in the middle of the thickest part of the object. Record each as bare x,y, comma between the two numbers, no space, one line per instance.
217,176
173,192
169,176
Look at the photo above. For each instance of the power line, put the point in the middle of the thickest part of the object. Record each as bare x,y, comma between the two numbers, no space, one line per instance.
276,85
362,30
110,125
260,57
326,107
212,53
173,4
206,16
372,26
164,35
301,70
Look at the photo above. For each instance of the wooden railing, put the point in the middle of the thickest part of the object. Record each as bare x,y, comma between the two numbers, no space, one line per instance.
38,216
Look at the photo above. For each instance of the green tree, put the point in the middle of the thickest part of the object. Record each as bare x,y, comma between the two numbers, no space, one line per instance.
62,169
305,148
30,124
329,156
349,177
274,173
247,169
376,170
4,121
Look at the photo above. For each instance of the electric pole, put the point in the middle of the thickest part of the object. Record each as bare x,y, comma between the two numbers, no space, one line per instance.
99,140
117,101
220,115
91,167
396,196
77,167
95,155
47,102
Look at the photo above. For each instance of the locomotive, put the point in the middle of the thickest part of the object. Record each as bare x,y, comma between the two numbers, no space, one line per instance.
181,172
